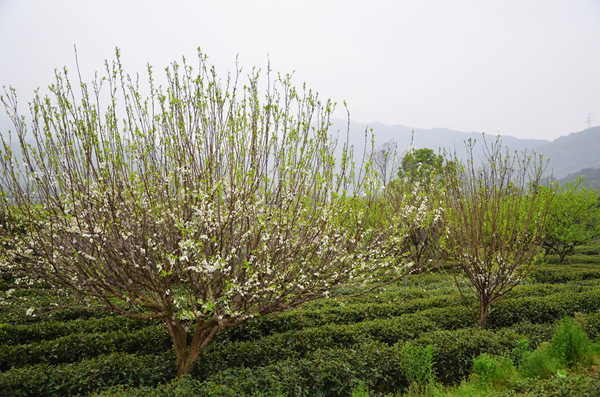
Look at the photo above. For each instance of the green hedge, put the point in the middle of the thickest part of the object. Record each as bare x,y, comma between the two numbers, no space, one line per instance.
221,354
529,290
88,375
296,344
319,370
453,351
52,329
542,309
333,372
259,327
75,347
336,371
557,274
535,333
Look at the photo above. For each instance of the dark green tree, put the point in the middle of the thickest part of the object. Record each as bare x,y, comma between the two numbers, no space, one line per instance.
421,164
573,219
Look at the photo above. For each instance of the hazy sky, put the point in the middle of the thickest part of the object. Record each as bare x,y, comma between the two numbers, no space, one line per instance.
525,68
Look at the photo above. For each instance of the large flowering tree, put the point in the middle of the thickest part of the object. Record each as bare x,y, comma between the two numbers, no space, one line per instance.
203,203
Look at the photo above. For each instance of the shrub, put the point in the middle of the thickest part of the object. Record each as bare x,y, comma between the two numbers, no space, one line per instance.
322,372
51,329
591,325
296,344
535,334
348,314
74,347
539,309
571,386
88,375
454,351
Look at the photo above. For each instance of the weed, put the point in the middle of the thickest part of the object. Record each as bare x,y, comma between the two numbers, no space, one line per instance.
417,365
570,345
493,371
538,364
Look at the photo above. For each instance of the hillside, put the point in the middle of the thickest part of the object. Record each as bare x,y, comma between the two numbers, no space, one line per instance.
591,175
567,154
573,152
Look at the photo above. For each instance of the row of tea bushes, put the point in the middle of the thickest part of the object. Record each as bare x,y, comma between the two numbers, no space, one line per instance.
322,371
542,309
86,321
296,344
74,347
225,352
352,313
543,289
268,351
87,375
51,329
337,371
555,273
319,348
319,371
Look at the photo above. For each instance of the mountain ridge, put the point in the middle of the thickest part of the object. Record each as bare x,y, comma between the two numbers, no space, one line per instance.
567,154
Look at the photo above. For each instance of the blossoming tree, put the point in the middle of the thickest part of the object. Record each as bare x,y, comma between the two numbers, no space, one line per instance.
203,203
495,216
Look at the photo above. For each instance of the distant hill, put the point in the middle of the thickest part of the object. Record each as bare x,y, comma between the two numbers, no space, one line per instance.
591,175
573,152
567,154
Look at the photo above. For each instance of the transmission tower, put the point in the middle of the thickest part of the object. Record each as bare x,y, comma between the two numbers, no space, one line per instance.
589,120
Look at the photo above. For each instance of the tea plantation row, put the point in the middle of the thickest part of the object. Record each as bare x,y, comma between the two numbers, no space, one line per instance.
324,348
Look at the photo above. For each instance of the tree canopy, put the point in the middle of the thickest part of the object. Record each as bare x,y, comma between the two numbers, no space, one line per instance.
203,203
574,218
421,164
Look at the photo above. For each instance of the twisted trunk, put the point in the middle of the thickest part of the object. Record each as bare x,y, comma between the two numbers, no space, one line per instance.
188,354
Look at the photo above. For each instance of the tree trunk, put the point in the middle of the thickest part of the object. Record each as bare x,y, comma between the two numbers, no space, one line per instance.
187,355
483,309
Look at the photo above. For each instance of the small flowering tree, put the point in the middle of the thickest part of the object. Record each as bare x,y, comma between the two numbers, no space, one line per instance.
201,204
420,211
495,221
420,180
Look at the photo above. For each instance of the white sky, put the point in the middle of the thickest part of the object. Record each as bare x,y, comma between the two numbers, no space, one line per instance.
526,68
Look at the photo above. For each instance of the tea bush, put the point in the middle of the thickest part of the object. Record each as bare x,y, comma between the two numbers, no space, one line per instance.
454,351
75,347
539,309
52,329
87,375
